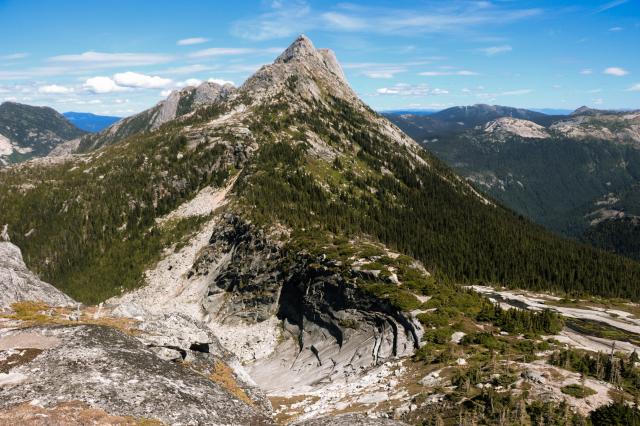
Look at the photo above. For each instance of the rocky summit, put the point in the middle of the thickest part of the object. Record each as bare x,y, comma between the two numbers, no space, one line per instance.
279,253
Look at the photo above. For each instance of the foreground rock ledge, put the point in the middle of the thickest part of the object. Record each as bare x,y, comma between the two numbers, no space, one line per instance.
109,370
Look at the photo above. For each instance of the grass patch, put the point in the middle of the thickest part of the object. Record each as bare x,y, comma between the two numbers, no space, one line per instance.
577,391
223,375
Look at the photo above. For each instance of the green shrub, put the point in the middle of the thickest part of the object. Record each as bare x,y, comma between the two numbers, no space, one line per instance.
577,391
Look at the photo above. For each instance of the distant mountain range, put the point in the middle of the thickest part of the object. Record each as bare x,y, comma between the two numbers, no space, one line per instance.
578,175
429,111
90,122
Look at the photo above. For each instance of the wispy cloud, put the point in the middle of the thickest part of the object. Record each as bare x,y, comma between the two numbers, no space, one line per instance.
375,70
495,50
615,29
403,89
54,89
610,5
188,69
517,92
586,71
111,60
191,41
233,51
615,71
634,88
344,22
14,56
454,17
444,73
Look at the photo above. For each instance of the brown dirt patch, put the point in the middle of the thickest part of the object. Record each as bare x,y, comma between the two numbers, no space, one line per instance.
20,357
66,413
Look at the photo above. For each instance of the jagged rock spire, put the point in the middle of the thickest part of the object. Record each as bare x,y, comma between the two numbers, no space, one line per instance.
4,236
300,49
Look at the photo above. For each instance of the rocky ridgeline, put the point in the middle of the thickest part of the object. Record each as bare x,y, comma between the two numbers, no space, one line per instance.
179,103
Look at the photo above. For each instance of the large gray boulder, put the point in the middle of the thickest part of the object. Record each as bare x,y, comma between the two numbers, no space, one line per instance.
109,370
18,284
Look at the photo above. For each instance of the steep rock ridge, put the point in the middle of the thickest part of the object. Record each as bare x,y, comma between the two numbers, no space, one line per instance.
302,69
328,328
107,369
18,284
179,103
332,327
29,132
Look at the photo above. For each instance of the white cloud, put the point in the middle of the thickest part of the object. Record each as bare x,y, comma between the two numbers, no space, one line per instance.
137,80
188,69
382,73
111,60
516,92
381,70
221,81
55,88
102,84
442,73
189,82
615,29
610,5
281,22
344,22
14,56
191,41
496,50
634,88
232,51
165,93
437,17
197,82
618,72
597,101
586,71
403,89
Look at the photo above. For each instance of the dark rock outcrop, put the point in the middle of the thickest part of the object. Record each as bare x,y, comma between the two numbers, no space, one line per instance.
332,328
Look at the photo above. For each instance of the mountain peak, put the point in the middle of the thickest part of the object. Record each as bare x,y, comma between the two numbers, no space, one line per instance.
300,49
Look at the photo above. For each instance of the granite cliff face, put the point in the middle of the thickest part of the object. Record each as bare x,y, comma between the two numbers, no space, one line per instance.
178,104
18,284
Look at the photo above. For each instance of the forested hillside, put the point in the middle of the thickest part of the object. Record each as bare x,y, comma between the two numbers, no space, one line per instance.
577,176
28,131
311,157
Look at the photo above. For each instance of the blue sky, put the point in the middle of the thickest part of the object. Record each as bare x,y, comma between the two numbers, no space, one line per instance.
120,57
